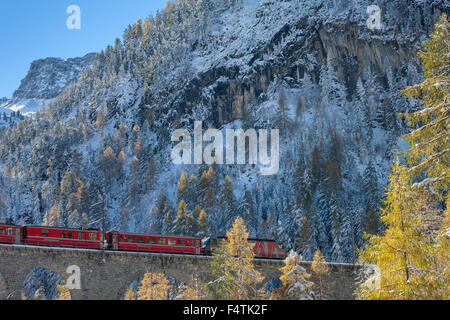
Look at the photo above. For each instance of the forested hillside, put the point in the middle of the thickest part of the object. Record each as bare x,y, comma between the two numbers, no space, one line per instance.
310,68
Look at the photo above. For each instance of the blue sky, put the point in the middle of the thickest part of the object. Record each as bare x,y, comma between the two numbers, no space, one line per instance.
35,29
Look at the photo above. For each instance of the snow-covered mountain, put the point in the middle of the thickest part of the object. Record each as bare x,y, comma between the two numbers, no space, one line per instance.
46,79
311,68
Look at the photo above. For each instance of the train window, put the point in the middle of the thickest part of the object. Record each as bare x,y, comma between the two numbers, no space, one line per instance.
130,239
2,230
64,235
183,243
152,240
10,232
92,236
69,235
81,236
172,242
45,233
140,240
162,241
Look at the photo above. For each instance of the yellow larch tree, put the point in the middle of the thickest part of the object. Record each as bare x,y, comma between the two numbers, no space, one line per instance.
154,286
233,262
64,292
411,256
322,273
294,278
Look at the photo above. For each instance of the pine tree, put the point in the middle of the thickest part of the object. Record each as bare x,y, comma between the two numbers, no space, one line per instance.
53,218
183,188
247,210
84,221
405,253
322,273
409,253
74,218
228,205
294,278
184,222
232,262
428,158
154,287
64,293
130,294
203,224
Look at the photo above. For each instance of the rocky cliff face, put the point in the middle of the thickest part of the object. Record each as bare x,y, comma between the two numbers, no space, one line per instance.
45,80
313,69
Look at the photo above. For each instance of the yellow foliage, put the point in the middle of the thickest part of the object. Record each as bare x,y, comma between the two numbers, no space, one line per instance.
154,286
295,280
64,293
320,268
234,262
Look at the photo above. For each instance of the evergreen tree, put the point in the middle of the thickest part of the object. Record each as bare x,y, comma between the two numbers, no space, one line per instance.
232,262
203,224
322,273
154,287
228,206
406,253
427,157
294,278
409,253
195,290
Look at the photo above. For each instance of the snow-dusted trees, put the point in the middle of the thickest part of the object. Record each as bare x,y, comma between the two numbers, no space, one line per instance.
227,206
294,278
409,254
195,290
232,264
185,223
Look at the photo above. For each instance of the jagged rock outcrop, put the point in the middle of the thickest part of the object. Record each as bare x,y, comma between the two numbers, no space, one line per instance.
45,80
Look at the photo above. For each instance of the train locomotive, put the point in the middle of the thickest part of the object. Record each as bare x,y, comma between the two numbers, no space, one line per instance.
117,241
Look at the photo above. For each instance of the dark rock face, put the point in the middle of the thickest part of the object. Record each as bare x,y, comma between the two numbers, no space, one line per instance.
48,77
344,43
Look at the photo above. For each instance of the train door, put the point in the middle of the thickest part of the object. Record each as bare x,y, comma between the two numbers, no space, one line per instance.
17,236
115,242
197,247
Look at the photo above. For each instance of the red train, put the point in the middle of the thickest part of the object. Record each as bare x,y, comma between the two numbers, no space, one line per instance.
116,241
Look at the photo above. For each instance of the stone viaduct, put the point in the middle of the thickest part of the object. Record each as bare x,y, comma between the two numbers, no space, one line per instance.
110,279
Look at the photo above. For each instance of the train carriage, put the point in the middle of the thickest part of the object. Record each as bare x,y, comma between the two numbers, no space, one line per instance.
59,237
154,243
11,234
263,248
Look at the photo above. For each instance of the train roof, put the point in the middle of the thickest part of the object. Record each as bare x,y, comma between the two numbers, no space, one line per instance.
249,239
63,228
9,225
154,235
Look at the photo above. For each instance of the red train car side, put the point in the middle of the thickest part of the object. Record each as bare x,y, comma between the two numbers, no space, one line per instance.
47,236
11,234
153,243
263,248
